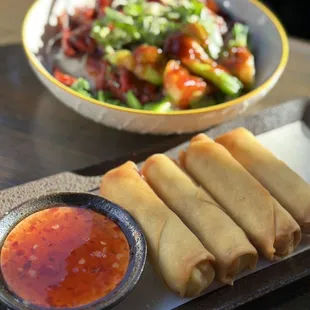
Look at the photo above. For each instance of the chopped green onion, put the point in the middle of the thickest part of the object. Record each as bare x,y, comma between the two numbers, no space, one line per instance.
103,95
229,84
240,36
215,39
140,21
132,101
107,38
226,82
82,86
115,16
106,96
154,29
156,9
173,15
133,9
161,106
186,8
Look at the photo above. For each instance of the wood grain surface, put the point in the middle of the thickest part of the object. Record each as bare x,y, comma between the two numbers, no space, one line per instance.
39,136
11,16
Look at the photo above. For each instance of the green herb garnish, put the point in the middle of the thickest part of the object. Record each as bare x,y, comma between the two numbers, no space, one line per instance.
240,36
106,96
132,101
82,86
162,106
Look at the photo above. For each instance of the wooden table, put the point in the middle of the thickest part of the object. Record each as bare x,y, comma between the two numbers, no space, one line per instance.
39,136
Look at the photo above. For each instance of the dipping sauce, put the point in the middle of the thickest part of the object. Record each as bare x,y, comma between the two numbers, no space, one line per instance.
64,257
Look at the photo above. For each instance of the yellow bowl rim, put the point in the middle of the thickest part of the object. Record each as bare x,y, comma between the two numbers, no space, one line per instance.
284,59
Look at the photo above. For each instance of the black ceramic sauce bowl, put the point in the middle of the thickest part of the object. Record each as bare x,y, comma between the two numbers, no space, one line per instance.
122,218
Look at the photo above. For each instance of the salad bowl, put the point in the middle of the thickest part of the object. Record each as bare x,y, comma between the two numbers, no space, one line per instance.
269,44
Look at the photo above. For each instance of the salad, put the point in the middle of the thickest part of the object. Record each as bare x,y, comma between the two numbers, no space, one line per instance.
157,55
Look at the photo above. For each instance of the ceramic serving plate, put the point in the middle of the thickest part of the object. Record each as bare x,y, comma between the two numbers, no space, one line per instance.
270,46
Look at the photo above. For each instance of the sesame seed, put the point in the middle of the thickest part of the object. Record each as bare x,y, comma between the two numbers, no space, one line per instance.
115,236
97,254
35,246
119,256
32,273
103,243
115,265
55,226
82,261
33,257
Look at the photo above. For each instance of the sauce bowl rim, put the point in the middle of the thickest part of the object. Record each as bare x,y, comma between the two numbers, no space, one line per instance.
131,229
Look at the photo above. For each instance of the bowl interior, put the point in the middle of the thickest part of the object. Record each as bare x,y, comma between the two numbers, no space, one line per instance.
121,217
266,40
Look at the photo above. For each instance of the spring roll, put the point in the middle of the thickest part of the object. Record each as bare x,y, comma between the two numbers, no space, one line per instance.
288,232
292,192
180,258
248,203
198,210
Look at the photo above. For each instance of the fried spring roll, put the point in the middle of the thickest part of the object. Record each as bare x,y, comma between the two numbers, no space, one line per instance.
202,215
288,232
248,203
182,261
292,192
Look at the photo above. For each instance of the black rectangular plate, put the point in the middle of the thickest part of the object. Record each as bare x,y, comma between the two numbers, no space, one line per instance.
269,119
262,282
267,280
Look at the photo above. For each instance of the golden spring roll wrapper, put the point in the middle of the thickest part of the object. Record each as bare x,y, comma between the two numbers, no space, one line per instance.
243,198
288,188
201,137
178,255
287,231
198,210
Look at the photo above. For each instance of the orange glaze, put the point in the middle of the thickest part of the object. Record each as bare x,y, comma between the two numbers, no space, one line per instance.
64,257
237,56
147,54
188,87
182,46
239,61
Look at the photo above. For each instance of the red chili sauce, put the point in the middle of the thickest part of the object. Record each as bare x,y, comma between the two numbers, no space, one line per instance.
64,257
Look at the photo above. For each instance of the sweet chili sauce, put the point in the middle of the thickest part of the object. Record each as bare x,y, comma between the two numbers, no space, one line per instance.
64,257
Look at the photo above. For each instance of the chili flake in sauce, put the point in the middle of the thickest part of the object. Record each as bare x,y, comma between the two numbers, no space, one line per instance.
64,257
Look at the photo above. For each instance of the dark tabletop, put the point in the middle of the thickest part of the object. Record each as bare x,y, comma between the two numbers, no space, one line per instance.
39,136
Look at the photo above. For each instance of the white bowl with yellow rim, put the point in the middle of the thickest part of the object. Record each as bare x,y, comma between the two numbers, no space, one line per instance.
270,45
